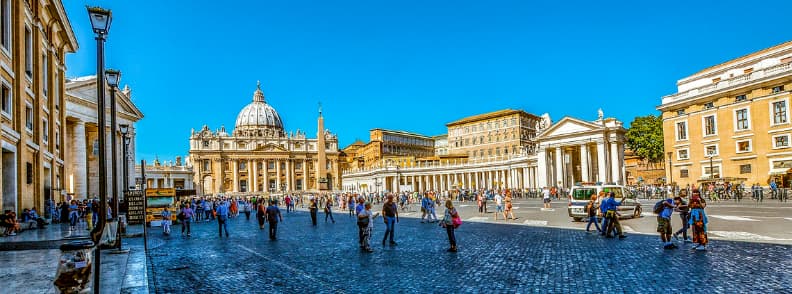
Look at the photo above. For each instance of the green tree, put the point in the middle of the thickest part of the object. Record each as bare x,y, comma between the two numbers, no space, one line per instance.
645,138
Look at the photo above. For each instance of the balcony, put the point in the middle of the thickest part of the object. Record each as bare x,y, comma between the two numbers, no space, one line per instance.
731,83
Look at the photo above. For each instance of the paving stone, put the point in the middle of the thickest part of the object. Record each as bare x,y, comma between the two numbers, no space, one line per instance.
493,258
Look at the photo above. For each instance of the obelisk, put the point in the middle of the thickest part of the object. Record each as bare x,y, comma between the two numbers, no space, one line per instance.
321,171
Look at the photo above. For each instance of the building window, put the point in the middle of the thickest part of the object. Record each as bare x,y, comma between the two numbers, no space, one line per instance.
709,126
681,129
739,98
683,154
681,112
711,150
298,165
45,74
8,100
683,173
743,146
56,88
5,24
713,171
206,143
780,112
242,165
29,118
709,105
28,173
745,169
45,130
57,139
781,141
28,53
778,89
271,165
206,165
741,119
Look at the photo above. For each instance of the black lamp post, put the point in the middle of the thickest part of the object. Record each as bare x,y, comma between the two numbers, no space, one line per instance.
100,21
124,129
113,78
711,155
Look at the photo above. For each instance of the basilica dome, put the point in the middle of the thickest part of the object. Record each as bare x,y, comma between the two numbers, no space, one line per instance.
258,117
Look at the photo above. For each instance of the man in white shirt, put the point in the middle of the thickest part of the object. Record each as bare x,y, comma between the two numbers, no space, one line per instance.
498,205
546,197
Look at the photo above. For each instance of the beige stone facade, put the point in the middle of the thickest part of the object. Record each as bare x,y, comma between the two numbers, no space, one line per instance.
82,138
259,156
734,118
493,134
389,145
177,174
35,37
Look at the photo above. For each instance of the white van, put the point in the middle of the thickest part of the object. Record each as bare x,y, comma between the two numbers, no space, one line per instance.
580,195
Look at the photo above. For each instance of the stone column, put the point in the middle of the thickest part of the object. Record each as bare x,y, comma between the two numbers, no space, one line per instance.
254,175
288,175
443,183
614,162
584,163
559,162
542,168
602,163
277,175
235,168
80,158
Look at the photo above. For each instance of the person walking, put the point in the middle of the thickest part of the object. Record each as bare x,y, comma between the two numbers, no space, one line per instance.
509,211
448,223
288,202
664,224
611,208
499,206
698,221
261,213
186,216
222,218
684,215
390,217
246,209
366,224
591,209
273,216
351,205
74,215
312,207
546,197
328,210
166,221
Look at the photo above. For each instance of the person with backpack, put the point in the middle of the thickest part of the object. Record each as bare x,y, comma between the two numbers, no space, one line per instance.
366,224
451,221
698,222
273,216
664,209
591,209
611,207
390,214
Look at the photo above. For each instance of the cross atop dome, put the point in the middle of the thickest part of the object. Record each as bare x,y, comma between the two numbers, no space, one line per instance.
258,96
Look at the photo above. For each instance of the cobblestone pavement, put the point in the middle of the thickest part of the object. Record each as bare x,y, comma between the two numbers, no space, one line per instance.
497,258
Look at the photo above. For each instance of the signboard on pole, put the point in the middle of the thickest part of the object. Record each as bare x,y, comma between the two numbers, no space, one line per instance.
134,199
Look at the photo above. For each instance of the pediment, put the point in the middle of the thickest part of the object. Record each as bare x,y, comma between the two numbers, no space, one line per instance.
271,147
568,126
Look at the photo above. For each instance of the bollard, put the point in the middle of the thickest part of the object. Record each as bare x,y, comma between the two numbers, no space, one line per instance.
75,267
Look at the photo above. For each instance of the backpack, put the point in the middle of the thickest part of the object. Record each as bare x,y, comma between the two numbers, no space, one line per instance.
659,207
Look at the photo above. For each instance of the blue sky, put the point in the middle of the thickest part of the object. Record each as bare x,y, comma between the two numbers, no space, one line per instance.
409,65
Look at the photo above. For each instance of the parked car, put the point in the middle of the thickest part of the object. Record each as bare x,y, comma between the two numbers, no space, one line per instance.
580,195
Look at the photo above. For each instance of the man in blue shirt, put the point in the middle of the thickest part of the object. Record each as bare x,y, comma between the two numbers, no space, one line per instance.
273,216
222,218
664,224
611,205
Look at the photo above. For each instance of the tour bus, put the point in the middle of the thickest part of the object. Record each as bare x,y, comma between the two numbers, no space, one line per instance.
580,195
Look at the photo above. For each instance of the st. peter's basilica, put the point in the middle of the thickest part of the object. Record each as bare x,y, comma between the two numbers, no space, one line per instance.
260,156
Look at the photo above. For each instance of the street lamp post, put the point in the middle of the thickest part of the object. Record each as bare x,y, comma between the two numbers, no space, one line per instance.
100,21
113,77
124,129
711,155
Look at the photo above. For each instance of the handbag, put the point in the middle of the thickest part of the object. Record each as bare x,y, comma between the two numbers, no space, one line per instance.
456,221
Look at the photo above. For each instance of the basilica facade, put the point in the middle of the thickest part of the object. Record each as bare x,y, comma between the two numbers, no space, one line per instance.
260,156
